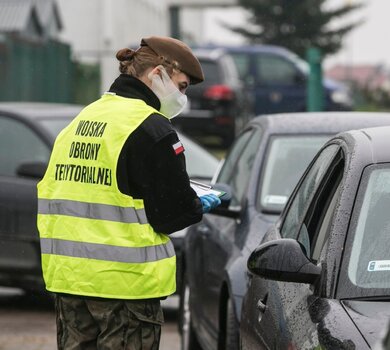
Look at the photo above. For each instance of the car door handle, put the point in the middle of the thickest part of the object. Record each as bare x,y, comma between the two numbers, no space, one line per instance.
262,307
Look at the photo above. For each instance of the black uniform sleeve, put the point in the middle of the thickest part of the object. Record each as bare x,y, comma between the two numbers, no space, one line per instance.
172,204
149,168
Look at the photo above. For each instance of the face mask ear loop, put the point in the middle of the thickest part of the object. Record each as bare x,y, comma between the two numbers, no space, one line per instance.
165,76
162,70
171,99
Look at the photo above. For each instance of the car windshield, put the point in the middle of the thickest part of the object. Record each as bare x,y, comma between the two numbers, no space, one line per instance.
55,125
287,159
369,264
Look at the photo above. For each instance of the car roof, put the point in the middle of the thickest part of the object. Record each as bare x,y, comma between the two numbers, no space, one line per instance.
39,110
372,144
319,122
249,48
209,53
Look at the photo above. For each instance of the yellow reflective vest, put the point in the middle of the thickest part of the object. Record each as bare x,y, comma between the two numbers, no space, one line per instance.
95,240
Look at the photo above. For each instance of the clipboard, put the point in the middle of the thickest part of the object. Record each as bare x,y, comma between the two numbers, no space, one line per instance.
203,189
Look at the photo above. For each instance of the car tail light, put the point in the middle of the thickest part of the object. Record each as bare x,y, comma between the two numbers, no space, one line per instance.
219,92
224,120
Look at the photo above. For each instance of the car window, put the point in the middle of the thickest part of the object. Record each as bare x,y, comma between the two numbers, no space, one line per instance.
55,125
242,62
227,169
211,71
305,192
19,144
230,68
273,70
200,163
369,264
238,165
301,64
324,227
316,225
287,158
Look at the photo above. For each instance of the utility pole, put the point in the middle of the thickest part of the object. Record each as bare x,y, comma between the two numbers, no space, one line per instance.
174,14
315,88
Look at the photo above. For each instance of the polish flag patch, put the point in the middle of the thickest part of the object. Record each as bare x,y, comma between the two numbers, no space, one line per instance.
178,148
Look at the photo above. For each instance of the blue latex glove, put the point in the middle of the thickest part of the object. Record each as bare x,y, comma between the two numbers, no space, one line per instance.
209,202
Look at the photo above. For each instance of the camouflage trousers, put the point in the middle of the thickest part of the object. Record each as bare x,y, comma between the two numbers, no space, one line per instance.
104,324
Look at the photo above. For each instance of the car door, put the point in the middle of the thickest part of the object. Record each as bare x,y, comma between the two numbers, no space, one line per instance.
283,314
279,86
19,241
212,241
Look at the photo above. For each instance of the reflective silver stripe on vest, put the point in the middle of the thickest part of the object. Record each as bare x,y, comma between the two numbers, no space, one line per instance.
107,252
92,211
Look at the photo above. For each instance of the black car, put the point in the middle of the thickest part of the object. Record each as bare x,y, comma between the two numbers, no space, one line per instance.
27,134
261,170
322,273
219,106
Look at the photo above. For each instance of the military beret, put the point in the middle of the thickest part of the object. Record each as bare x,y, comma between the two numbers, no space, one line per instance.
175,50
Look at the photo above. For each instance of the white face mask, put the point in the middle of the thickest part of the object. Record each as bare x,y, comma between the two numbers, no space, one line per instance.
171,99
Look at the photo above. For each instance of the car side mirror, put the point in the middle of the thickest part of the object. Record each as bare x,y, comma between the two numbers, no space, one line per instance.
223,208
33,169
283,260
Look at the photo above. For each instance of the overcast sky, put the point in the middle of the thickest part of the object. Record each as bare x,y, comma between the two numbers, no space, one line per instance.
368,43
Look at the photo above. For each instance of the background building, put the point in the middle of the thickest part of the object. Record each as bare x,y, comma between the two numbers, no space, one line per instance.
74,42
97,29
30,53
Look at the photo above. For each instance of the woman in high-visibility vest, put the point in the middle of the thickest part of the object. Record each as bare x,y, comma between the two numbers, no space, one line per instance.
116,186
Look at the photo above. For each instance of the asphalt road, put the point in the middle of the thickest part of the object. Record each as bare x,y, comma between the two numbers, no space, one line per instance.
28,323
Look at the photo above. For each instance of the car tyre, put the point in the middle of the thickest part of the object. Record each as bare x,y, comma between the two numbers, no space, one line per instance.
188,338
231,331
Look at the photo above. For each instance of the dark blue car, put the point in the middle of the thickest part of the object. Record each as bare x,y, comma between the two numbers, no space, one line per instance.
276,79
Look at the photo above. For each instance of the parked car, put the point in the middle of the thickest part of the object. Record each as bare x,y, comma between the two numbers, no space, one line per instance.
219,106
27,134
322,273
260,172
276,79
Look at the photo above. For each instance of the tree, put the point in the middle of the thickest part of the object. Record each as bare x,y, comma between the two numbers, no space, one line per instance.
296,24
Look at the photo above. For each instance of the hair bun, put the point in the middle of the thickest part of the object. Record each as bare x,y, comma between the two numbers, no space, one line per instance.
125,54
